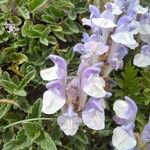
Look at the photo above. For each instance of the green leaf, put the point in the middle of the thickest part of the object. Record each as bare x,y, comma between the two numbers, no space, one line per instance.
52,39
35,4
25,28
7,136
18,58
72,14
3,1
32,130
60,36
130,81
24,12
67,4
18,143
19,43
28,77
72,26
16,20
12,117
21,92
32,33
35,110
44,41
105,132
4,108
46,142
56,28
47,18
9,86
54,11
82,137
39,28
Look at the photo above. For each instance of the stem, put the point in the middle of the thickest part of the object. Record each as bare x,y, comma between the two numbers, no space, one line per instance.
26,121
7,101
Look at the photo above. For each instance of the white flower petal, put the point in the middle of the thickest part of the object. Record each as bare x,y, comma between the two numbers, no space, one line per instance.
95,87
141,60
49,74
69,124
124,38
94,119
145,38
116,10
52,102
86,22
142,10
136,30
103,23
145,29
121,108
123,140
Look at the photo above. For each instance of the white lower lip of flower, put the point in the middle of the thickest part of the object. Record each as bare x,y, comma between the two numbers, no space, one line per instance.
49,74
52,102
121,108
94,120
69,124
95,87
145,29
123,140
103,23
141,60
125,38
142,10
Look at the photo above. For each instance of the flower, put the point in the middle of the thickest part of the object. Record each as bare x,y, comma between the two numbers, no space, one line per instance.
127,27
145,27
54,72
71,96
92,83
145,137
143,59
123,137
125,109
54,98
69,121
106,19
92,48
93,114
116,59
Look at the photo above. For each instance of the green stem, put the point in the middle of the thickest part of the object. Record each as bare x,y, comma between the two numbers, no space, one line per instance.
26,121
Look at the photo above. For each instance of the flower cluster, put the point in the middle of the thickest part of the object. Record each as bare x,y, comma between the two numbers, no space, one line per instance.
71,96
82,99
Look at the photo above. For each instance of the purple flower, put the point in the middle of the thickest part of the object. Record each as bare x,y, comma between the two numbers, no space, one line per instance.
54,72
145,27
93,114
127,27
116,60
116,10
95,13
106,20
91,49
54,98
92,83
145,136
129,6
143,59
125,109
123,136
69,121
